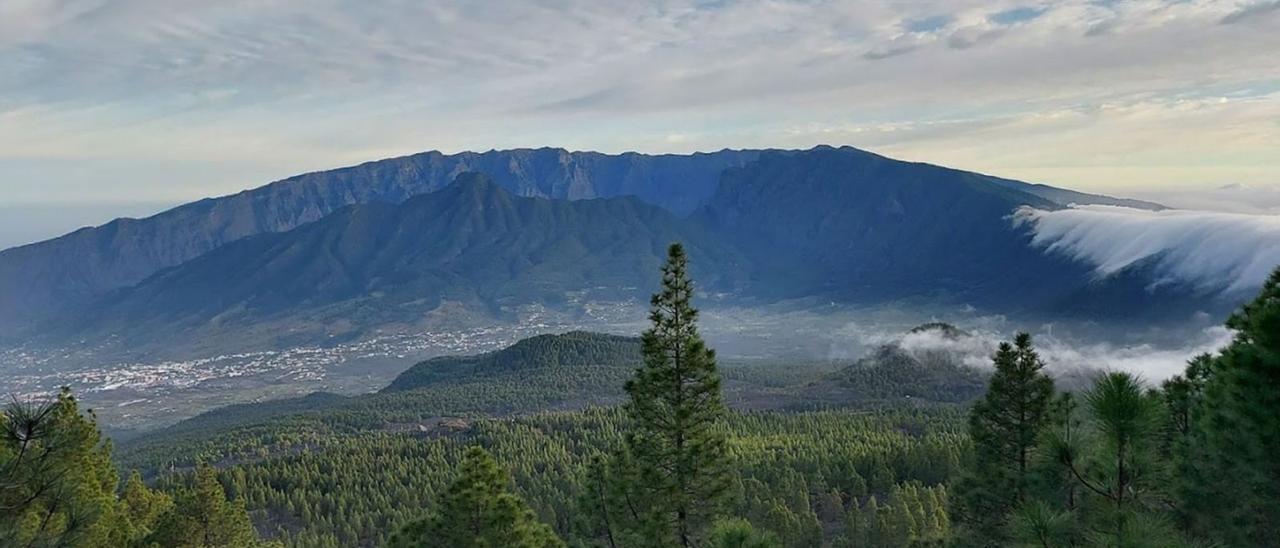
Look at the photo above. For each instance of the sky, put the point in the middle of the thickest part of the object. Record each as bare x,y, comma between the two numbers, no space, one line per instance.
125,107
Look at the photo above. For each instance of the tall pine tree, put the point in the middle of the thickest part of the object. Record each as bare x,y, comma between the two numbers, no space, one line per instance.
1230,466
677,442
477,511
57,481
1005,426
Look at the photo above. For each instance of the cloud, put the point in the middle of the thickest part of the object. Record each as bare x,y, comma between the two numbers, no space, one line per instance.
892,49
1252,12
1213,251
1151,362
181,98
1064,355
1258,198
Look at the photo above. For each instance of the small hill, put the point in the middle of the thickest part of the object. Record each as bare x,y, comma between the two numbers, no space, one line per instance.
547,372
543,352
894,374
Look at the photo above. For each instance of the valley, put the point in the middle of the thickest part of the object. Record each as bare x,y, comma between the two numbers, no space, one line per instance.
640,274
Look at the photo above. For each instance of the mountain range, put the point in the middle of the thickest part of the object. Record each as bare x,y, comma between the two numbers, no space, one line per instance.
396,242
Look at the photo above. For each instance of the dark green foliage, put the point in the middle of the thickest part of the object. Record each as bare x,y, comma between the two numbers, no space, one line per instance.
1119,485
1040,470
143,508
57,484
1005,426
1229,464
913,515
573,349
477,511
202,517
58,488
739,533
245,413
676,436
310,484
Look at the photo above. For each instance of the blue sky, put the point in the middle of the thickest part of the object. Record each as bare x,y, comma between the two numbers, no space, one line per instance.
161,101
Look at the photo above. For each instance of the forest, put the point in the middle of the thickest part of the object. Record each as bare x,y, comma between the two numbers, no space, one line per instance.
600,441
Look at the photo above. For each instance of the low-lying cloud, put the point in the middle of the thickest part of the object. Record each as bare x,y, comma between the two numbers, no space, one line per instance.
1213,251
1069,357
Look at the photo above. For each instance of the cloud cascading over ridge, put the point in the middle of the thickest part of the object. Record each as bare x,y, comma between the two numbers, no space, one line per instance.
1213,251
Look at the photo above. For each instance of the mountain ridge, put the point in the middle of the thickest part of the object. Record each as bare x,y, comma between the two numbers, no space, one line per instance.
829,223
43,279
369,265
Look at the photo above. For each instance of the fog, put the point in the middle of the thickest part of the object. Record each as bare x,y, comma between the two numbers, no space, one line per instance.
1211,250
1064,356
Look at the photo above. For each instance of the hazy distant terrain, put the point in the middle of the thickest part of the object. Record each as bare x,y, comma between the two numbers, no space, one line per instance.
338,280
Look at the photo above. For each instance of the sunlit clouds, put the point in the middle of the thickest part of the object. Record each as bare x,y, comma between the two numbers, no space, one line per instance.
171,100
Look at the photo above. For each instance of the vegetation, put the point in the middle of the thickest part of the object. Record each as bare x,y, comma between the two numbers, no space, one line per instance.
1227,430
676,448
58,488
1005,427
575,349
891,376
477,511
1190,463
448,462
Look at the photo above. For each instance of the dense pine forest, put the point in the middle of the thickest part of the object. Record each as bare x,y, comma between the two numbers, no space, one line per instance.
603,441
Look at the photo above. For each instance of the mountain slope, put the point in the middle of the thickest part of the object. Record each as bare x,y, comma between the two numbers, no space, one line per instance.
45,279
42,279
872,229
370,265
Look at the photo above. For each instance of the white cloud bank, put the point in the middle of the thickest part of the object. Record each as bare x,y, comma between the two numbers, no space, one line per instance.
1214,251
1063,357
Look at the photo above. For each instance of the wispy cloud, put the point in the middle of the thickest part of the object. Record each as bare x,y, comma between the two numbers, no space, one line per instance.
165,99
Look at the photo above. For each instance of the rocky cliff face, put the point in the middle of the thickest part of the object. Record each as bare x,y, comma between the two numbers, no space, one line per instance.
40,280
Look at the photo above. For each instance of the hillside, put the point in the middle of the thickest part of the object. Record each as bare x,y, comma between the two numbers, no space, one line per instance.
872,229
42,279
473,244
537,403
573,349
579,368
57,278
894,375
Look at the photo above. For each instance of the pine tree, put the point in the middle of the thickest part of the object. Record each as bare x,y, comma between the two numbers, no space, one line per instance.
676,407
1123,419
1005,426
203,517
1230,466
477,511
142,509
739,533
57,481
